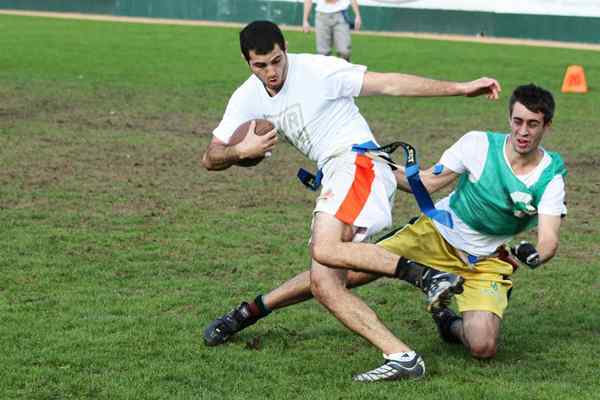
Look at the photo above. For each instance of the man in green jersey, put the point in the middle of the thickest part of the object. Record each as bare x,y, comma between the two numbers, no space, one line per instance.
507,184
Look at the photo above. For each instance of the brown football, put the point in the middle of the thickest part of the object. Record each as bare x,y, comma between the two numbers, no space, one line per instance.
262,127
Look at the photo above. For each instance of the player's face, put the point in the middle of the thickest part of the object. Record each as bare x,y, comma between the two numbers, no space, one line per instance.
527,129
270,68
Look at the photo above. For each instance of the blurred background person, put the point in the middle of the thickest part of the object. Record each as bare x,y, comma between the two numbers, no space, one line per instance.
332,25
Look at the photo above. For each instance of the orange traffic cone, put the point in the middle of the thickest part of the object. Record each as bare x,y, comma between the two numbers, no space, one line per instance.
574,81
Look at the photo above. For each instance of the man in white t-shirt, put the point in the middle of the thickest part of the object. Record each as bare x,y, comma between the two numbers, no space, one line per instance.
332,25
507,184
309,99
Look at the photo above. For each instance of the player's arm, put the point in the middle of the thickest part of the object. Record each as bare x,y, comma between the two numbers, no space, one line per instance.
397,84
548,228
432,182
548,235
219,156
551,209
533,257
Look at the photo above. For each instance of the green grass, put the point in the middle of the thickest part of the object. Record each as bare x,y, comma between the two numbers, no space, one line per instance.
117,249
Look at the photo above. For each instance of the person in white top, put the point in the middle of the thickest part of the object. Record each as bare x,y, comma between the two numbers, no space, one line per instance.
309,99
507,184
333,25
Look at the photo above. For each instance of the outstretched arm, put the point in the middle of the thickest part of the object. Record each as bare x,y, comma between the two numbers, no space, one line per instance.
432,182
397,84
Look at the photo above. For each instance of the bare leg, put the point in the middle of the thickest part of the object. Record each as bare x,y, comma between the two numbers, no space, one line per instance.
297,289
479,331
293,291
365,257
328,285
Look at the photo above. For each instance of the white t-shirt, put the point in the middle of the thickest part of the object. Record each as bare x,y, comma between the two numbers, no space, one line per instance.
468,155
314,110
331,6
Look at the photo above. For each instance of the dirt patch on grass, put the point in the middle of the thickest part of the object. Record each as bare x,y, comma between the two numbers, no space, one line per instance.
123,121
115,109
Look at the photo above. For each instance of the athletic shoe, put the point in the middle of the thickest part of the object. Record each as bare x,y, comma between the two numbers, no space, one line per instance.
440,287
444,318
221,329
393,370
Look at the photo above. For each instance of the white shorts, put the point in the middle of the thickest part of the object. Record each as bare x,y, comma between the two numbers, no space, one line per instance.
359,192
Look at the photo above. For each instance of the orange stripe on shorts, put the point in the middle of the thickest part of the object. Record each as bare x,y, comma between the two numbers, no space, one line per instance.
359,192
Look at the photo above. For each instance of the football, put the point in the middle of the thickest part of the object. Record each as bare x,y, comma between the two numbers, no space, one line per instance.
262,127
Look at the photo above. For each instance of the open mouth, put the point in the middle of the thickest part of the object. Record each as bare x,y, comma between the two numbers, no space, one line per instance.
522,143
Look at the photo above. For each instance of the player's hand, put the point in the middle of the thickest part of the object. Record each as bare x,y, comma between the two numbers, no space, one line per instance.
255,146
305,26
527,254
357,23
505,255
482,86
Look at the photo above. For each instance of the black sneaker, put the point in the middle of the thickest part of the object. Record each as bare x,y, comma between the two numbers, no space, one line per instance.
393,370
221,329
440,287
444,318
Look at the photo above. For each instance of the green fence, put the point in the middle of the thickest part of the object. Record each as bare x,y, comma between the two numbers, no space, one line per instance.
546,27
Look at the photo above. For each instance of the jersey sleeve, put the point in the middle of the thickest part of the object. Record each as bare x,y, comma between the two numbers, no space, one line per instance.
468,154
553,198
341,78
237,112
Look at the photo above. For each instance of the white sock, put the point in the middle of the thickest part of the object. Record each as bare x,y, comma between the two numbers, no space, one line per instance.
402,356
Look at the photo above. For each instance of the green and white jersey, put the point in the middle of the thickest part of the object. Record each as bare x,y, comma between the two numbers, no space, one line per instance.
491,204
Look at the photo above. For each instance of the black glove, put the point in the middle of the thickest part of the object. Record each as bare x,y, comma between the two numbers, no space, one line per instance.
527,254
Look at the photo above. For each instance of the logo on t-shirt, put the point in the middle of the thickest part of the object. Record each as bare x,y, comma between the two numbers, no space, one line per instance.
290,122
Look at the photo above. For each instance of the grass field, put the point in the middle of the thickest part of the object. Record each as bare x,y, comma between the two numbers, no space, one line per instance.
117,248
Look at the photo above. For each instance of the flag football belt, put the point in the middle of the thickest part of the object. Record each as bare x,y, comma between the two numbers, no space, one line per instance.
411,168
311,181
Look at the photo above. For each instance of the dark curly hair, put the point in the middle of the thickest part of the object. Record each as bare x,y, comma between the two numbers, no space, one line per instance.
261,37
535,99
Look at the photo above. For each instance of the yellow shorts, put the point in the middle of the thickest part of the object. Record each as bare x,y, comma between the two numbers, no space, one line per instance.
486,282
